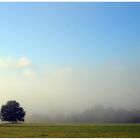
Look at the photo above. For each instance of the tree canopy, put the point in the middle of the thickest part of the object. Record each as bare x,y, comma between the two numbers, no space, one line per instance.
12,112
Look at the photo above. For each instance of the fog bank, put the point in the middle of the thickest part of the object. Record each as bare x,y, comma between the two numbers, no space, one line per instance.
63,90
96,114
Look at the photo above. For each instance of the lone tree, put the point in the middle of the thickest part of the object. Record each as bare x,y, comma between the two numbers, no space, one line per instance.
12,112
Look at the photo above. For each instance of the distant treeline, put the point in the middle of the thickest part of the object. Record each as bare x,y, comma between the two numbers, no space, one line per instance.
97,114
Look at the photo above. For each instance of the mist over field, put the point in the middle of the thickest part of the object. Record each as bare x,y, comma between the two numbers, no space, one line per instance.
71,62
71,90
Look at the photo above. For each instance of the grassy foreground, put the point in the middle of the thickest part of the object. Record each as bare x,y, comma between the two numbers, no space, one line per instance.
70,130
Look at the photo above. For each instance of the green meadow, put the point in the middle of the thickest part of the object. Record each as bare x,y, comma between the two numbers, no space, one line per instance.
70,130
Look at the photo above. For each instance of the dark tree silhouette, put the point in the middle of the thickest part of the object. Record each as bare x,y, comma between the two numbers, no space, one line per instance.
12,112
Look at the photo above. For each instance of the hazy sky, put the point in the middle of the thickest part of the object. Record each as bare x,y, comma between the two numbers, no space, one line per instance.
64,57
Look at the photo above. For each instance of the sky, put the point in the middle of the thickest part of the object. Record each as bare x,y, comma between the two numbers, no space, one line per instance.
70,56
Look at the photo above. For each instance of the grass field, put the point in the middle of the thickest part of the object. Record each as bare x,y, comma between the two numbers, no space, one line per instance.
70,130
